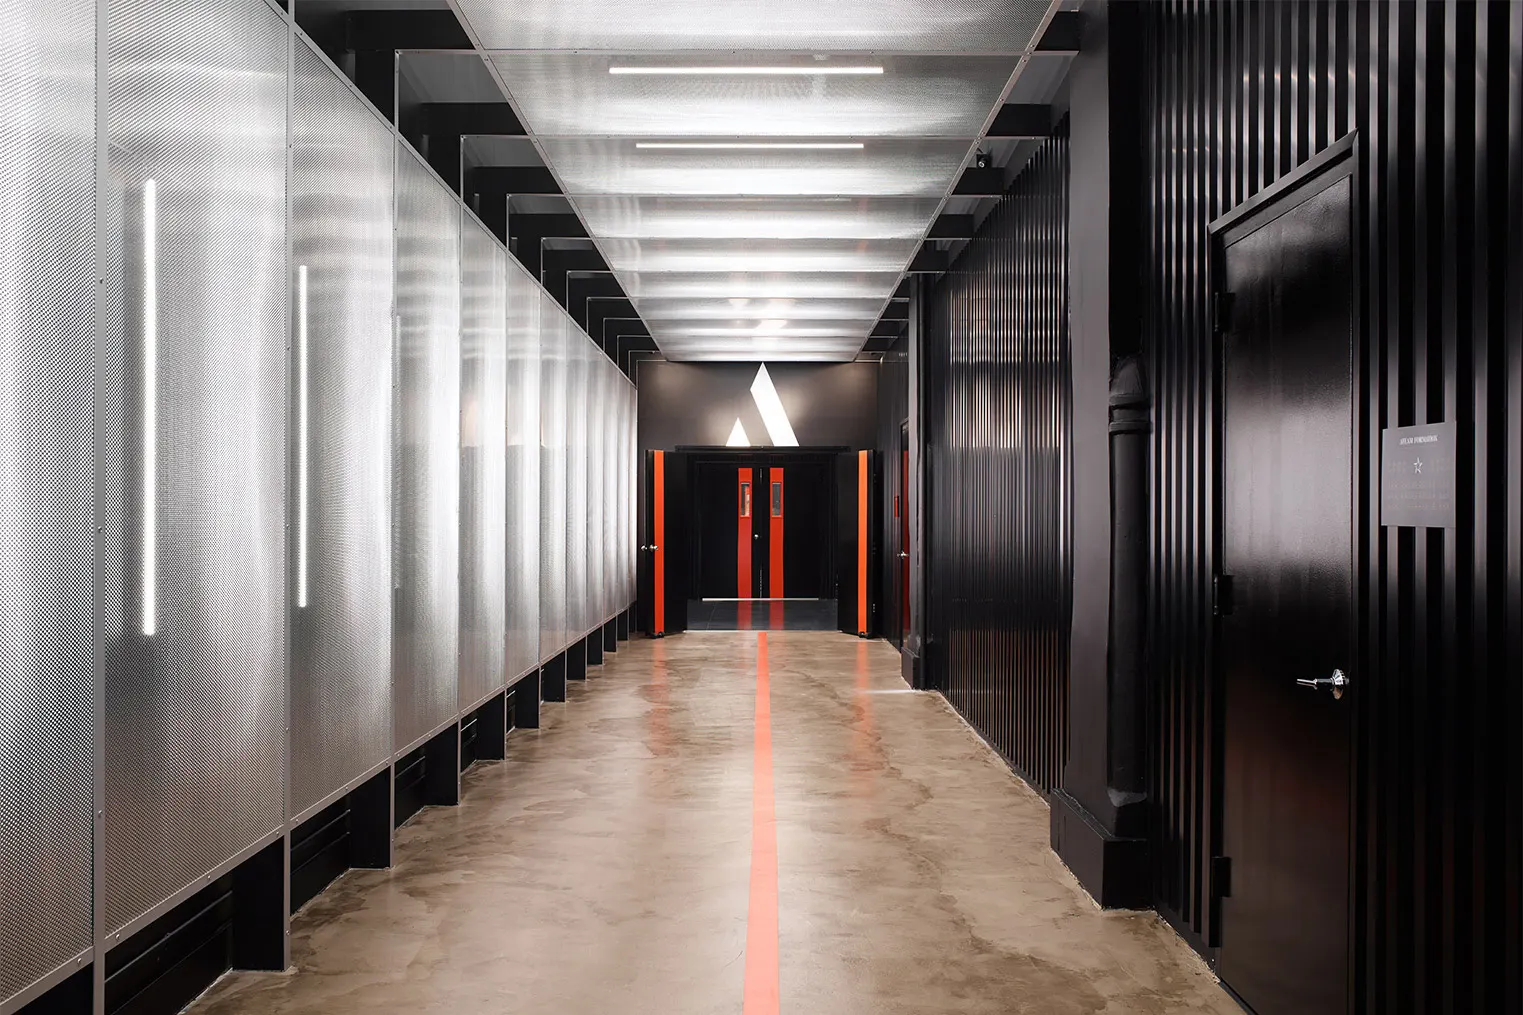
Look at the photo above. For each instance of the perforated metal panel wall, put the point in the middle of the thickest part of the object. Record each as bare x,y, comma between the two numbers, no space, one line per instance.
578,407
341,249
426,455
555,341
523,454
47,171
193,452
596,414
483,461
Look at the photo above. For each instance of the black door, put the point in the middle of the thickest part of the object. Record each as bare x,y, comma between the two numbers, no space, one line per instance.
1286,600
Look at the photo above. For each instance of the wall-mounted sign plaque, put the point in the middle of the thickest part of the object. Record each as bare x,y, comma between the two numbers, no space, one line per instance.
1417,475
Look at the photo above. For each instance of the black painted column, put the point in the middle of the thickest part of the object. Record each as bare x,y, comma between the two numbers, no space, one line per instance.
1099,812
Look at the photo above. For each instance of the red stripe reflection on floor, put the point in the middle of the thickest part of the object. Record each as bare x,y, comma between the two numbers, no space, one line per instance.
761,992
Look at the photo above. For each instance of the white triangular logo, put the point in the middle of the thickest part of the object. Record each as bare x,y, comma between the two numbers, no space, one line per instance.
773,415
738,438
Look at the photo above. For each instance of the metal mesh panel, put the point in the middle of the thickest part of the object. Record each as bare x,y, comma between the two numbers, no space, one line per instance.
574,94
193,444
800,218
483,450
761,255
554,371
980,26
578,612
597,469
47,171
426,457
341,243
613,402
523,455
887,167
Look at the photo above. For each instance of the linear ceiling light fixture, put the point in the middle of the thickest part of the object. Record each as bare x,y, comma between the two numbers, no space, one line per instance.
813,146
786,70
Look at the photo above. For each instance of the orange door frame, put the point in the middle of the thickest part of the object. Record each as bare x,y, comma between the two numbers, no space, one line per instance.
776,505
862,487
658,540
744,499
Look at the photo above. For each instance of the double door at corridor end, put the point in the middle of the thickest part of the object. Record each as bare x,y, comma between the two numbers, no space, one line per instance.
764,529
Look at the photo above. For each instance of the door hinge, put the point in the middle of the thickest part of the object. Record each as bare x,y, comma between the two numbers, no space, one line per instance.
1221,313
1221,877
1222,602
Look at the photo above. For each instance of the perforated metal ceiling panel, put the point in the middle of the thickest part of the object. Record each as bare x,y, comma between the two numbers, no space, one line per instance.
427,453
523,458
912,26
656,310
853,218
757,255
814,142
47,104
890,167
341,245
193,455
709,285
483,460
586,94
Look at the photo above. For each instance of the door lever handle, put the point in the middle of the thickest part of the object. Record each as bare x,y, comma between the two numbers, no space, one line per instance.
1335,683
904,556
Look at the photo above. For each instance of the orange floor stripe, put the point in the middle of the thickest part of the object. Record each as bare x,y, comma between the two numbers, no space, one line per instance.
761,990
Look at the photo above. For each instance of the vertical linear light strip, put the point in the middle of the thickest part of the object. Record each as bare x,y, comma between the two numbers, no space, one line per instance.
150,406
301,437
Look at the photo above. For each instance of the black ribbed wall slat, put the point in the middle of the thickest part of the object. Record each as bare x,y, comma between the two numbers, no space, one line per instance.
1237,96
997,440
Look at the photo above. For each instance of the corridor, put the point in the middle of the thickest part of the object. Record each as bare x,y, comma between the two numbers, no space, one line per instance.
607,865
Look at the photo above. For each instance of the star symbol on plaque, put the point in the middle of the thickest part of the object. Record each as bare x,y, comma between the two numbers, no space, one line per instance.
1417,466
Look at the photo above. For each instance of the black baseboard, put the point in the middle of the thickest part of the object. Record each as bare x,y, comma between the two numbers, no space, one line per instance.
523,703
1113,870
73,996
611,636
576,661
594,648
236,922
552,679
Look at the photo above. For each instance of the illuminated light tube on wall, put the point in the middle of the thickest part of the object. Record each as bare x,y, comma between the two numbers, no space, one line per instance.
780,146
301,437
150,548
796,70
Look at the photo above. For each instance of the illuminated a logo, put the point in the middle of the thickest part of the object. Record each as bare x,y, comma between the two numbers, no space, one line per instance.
774,416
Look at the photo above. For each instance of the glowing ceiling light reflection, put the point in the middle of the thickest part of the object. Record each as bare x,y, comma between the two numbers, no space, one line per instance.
813,146
786,70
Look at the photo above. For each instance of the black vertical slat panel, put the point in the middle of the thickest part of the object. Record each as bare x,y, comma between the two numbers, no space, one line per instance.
998,455
1235,97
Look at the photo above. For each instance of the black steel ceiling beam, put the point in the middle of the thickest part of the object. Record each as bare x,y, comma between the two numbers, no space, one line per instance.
1062,35
898,310
888,329
929,261
980,183
901,291
511,180
392,29
952,227
460,118
1017,121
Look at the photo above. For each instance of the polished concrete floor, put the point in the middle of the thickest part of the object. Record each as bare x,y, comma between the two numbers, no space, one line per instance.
606,866
762,615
